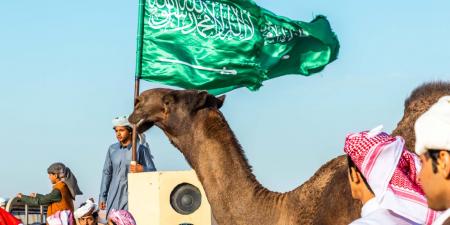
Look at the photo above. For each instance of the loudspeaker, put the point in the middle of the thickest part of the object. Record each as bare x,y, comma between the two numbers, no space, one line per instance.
168,198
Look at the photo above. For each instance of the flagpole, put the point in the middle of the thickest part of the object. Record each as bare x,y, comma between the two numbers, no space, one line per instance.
134,142
139,37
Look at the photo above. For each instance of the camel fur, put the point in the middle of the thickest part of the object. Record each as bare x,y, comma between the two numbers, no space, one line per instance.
193,123
419,101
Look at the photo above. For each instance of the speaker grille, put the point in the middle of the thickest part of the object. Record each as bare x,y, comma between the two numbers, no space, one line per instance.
185,198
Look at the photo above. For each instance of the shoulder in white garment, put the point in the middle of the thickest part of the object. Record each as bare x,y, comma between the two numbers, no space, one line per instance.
442,218
373,214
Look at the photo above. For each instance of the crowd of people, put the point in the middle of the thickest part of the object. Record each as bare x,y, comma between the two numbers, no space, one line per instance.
114,185
394,185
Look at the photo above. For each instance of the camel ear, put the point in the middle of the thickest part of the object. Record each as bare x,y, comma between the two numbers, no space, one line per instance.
205,100
201,100
220,101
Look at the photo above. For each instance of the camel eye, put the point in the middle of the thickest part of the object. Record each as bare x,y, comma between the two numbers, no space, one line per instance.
137,101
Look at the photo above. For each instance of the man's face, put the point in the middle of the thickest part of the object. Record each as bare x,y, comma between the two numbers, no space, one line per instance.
432,184
359,189
353,184
122,134
87,220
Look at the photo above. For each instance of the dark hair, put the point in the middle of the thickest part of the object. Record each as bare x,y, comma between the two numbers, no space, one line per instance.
130,129
351,164
433,154
57,169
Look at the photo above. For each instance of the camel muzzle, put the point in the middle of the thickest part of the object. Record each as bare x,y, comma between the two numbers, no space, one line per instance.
144,125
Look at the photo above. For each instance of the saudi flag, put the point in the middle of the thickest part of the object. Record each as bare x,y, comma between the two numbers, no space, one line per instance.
226,44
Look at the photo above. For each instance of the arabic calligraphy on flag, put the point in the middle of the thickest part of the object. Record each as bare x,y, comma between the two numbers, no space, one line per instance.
208,19
225,44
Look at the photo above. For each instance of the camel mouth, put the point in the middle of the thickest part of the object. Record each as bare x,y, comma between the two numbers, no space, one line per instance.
144,125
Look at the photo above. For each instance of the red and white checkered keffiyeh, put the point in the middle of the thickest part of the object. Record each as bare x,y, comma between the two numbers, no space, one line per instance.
391,170
121,217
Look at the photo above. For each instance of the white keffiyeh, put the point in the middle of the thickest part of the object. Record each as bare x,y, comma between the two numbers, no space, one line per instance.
88,208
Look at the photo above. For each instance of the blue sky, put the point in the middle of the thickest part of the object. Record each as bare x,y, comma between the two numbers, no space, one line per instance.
67,68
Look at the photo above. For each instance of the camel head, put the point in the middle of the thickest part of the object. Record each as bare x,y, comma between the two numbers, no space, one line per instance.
171,110
420,100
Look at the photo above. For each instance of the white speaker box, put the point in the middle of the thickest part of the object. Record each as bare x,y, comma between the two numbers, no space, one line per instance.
168,198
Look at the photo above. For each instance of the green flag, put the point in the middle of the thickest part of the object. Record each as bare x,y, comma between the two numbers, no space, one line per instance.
226,44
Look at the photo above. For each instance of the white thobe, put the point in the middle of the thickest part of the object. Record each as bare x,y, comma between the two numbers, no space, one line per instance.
442,218
373,214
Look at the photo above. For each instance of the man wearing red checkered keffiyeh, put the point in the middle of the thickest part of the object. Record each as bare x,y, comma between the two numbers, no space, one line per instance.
382,174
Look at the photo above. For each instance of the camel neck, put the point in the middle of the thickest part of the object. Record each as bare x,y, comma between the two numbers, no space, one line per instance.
235,195
216,156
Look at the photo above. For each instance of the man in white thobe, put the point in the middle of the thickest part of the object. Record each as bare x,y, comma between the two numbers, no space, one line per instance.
433,147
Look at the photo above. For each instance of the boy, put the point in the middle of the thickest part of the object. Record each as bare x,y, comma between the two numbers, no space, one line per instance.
65,188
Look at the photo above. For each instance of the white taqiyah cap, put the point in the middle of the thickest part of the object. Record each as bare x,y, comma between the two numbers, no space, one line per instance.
433,127
121,121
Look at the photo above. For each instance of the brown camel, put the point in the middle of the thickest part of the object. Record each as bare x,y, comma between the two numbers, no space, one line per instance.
194,125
